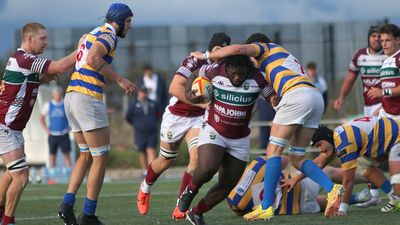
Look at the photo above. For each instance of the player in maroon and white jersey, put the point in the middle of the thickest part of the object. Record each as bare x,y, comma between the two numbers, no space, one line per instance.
389,73
24,72
181,121
367,63
224,140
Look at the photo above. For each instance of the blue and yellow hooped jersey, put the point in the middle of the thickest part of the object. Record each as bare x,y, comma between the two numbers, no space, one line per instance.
249,191
367,136
84,78
282,69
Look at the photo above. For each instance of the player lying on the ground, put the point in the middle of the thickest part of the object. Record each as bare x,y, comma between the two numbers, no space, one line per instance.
301,198
360,145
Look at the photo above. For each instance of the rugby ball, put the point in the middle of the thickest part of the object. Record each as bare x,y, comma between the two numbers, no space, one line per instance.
203,86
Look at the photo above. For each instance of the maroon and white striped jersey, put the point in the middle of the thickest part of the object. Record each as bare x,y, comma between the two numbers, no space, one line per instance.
390,78
368,65
21,82
231,107
177,107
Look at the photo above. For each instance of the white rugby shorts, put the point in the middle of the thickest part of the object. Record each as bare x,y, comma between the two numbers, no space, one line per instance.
238,148
85,112
303,106
173,127
10,140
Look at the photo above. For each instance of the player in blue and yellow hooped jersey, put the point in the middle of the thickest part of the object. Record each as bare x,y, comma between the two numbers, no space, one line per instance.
360,145
301,198
87,113
297,116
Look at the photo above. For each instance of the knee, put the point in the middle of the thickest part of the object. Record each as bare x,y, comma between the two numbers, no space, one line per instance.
193,163
85,157
206,173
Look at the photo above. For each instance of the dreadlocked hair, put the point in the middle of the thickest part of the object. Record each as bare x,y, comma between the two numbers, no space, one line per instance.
257,37
238,61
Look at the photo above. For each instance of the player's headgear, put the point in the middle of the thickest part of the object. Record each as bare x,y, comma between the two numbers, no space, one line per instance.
322,133
219,39
372,29
118,12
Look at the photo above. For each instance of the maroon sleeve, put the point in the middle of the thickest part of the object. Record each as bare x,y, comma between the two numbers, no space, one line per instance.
353,63
210,70
266,88
189,65
33,63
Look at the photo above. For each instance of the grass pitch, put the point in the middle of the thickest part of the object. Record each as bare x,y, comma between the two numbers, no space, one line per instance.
117,206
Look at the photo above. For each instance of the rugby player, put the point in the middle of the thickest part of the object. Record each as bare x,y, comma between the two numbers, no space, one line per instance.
300,198
224,141
371,140
24,72
87,113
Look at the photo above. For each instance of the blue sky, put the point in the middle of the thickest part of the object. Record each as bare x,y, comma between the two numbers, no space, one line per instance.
77,13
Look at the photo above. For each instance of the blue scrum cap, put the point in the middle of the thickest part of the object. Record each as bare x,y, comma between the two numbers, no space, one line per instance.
118,12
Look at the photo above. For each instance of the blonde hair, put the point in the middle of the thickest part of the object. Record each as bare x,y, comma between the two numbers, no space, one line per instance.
31,28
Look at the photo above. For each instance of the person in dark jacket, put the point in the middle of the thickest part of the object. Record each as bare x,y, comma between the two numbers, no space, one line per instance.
143,114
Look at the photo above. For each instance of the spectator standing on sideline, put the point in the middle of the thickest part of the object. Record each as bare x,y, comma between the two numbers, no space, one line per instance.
144,115
318,81
156,87
57,128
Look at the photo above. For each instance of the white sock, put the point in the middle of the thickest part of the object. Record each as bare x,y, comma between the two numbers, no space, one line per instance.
145,187
374,193
392,195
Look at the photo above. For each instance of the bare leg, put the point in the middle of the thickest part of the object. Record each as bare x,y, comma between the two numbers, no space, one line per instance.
53,160
67,159
81,166
97,138
4,185
229,174
18,183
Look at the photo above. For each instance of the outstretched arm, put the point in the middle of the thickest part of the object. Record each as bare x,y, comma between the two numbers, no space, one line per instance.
247,49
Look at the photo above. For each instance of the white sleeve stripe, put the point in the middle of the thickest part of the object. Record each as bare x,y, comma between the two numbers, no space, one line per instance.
202,70
185,71
37,65
267,91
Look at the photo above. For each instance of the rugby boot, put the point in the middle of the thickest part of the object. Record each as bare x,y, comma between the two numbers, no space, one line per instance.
391,206
178,215
142,203
186,199
89,220
260,214
333,200
66,213
195,219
